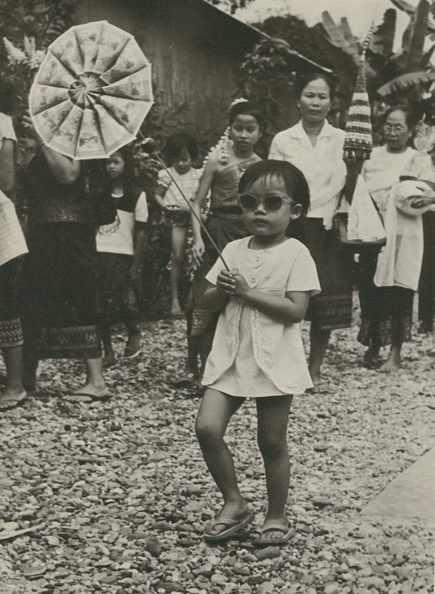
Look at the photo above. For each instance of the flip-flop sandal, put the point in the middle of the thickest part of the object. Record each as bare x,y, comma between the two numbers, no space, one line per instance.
262,540
230,527
84,396
12,402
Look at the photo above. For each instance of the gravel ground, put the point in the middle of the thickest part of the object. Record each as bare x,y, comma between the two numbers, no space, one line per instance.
115,495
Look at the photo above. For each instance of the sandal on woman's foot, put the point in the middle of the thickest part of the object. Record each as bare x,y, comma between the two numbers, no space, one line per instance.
262,540
230,526
7,402
85,395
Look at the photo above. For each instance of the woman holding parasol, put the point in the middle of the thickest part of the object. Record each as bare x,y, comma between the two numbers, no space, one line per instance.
59,272
89,98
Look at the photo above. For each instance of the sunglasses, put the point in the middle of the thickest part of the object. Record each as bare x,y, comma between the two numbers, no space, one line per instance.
270,203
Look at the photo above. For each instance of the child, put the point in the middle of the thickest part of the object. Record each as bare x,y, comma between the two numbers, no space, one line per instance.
222,172
181,150
257,351
120,254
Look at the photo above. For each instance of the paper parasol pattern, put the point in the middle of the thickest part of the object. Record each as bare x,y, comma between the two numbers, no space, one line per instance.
92,91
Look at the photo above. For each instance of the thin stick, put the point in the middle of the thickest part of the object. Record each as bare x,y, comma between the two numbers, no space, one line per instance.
198,218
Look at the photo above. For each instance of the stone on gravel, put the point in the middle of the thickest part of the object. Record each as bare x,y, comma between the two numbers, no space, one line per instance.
268,553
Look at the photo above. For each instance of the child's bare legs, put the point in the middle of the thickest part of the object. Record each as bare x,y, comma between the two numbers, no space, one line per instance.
14,391
213,417
133,344
272,415
319,340
193,341
394,361
95,384
178,235
371,356
106,339
192,355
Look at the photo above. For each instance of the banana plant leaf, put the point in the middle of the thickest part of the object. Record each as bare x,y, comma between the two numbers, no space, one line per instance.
338,38
382,40
415,35
405,81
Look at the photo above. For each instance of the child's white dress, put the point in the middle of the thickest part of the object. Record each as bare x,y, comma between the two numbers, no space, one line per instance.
187,182
254,355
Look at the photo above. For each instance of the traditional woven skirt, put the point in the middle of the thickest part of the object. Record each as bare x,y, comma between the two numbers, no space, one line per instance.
60,316
114,290
10,328
332,308
386,312
223,227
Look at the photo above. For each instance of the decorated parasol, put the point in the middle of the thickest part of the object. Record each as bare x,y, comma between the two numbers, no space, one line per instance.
92,91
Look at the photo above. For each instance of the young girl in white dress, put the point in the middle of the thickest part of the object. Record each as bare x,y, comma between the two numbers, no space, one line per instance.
257,350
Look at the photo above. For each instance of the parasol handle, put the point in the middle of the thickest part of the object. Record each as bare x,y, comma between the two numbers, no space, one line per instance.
152,151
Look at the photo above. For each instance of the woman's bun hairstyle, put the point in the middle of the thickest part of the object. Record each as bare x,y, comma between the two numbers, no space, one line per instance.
305,80
246,108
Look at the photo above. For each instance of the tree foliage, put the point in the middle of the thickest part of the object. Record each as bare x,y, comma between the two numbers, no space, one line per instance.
406,76
230,6
42,21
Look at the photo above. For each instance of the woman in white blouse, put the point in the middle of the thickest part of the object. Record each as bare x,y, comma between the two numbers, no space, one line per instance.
316,148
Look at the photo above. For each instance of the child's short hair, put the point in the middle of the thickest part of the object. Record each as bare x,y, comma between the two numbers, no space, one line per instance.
246,108
293,178
179,141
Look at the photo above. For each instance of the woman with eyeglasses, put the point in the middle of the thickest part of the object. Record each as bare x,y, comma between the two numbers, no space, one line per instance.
316,148
394,177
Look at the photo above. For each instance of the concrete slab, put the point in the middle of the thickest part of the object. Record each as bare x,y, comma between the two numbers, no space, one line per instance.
410,497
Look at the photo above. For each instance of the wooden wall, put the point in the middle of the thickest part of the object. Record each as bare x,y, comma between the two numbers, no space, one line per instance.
193,48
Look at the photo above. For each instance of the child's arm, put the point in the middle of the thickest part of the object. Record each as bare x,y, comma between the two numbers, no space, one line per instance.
201,194
214,297
159,195
289,309
7,167
140,240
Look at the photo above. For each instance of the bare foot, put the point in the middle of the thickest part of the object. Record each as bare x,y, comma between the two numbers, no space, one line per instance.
176,309
90,392
390,365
